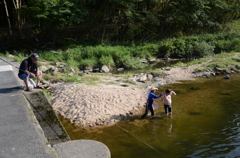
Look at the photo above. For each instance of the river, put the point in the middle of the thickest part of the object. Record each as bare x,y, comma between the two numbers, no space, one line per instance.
205,123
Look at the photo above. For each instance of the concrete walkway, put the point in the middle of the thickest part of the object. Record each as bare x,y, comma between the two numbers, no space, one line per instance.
21,135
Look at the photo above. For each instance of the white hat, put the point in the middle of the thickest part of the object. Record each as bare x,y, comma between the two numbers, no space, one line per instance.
153,88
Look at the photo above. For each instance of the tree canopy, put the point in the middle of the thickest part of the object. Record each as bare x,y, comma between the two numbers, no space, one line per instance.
111,20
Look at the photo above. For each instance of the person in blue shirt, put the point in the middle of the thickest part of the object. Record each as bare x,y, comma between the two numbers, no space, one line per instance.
150,100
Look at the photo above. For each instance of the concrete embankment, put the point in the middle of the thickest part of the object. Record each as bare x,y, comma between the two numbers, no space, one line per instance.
31,129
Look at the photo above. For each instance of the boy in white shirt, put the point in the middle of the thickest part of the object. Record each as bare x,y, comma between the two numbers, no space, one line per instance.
167,101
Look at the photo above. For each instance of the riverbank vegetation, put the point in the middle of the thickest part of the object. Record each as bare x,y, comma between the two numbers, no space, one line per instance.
224,62
116,33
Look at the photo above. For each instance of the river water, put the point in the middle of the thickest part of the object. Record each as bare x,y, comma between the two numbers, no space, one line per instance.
205,123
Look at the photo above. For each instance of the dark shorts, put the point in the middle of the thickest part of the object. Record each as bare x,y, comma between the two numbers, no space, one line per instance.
23,76
167,108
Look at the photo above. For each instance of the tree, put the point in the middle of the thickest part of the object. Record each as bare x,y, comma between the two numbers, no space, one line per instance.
7,17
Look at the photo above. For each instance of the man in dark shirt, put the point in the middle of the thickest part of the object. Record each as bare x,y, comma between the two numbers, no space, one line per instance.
29,69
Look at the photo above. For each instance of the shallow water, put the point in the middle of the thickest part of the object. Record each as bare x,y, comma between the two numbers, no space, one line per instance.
205,123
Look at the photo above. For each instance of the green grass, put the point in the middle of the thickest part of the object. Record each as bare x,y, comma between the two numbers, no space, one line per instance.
224,61
129,81
200,69
47,94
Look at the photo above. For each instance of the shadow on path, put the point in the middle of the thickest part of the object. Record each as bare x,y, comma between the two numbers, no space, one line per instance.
9,90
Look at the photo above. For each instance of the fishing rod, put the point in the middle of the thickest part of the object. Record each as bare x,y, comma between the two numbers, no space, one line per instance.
88,108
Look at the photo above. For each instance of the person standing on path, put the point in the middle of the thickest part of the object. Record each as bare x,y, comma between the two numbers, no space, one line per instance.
150,100
29,69
167,101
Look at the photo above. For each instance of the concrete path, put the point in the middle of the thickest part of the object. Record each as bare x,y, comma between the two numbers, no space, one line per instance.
20,134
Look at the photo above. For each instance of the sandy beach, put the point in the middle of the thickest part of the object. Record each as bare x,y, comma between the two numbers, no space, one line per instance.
102,105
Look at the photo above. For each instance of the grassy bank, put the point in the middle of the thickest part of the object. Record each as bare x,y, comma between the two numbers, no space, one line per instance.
128,55
224,62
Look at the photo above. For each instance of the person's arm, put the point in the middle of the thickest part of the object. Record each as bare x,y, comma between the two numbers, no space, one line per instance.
30,73
157,96
173,93
37,72
163,96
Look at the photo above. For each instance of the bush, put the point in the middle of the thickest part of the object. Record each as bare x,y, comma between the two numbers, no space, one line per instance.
165,49
226,45
129,62
107,60
88,62
179,46
202,49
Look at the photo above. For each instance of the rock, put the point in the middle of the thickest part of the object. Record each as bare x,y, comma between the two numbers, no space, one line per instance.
70,74
71,69
153,60
44,68
157,79
226,77
60,64
105,69
96,70
144,60
149,76
206,74
86,71
55,71
120,69
55,52
212,73
88,68
81,74
218,73
143,78
167,69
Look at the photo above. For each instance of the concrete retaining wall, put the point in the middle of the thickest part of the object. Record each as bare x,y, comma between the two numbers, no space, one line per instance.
57,135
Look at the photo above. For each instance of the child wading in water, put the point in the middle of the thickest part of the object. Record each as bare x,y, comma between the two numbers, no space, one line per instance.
150,100
167,101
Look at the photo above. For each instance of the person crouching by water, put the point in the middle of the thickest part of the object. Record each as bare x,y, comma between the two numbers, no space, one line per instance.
167,101
150,100
29,69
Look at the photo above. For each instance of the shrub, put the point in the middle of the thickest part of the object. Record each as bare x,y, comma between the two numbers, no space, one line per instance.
106,60
226,45
202,49
165,49
88,62
178,48
129,62
50,56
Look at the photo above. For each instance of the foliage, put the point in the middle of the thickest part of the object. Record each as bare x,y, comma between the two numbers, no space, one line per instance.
114,20
203,49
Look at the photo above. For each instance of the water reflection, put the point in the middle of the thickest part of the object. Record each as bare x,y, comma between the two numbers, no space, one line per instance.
205,123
